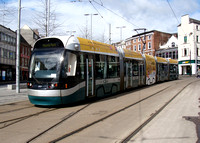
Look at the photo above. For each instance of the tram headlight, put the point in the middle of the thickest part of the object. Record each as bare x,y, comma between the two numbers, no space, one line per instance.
76,46
52,85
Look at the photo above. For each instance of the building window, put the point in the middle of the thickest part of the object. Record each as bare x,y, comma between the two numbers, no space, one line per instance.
185,39
139,47
197,39
198,52
135,48
139,39
134,40
173,44
128,43
149,45
197,27
5,53
149,37
185,52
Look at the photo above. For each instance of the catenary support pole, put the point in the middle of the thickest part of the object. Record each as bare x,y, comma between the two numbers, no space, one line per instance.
18,51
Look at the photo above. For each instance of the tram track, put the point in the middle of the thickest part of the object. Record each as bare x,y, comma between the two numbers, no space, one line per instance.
126,139
14,110
6,123
106,117
75,113
58,123
154,115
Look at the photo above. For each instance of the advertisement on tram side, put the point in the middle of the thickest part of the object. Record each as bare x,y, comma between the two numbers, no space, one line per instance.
150,70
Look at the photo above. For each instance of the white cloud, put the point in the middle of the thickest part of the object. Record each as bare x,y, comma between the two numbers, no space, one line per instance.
153,15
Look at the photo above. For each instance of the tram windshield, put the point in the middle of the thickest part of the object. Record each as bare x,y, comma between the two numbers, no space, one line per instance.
45,64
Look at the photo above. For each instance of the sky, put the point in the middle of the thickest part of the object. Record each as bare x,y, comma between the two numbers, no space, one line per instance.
161,15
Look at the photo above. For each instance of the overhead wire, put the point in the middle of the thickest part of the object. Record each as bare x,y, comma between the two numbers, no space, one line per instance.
174,14
173,11
101,4
96,9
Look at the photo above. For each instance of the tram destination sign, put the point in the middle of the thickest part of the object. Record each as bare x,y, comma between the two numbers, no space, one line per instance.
49,43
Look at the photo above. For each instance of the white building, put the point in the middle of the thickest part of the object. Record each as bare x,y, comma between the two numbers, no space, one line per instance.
188,45
170,49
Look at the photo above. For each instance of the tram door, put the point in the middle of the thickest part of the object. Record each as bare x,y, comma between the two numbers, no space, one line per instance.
129,75
90,76
141,74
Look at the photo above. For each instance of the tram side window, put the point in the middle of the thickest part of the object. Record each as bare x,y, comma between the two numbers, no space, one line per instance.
101,66
165,69
69,65
173,68
135,68
113,66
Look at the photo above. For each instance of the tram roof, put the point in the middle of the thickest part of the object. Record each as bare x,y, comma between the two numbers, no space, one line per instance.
97,47
161,60
171,61
132,54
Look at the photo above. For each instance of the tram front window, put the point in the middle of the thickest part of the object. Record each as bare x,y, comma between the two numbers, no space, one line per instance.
45,64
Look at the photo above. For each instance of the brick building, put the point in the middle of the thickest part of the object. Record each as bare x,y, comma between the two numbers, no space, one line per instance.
152,39
25,53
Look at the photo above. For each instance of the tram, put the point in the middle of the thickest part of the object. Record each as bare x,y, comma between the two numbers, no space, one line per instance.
67,69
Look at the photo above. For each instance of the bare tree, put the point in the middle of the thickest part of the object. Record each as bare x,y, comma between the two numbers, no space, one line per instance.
6,13
47,26
103,38
84,32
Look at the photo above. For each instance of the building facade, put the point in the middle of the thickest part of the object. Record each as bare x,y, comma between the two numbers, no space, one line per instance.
7,54
25,53
188,45
152,39
170,49
31,36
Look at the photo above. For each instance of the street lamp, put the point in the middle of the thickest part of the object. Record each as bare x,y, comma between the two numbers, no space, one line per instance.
91,21
121,31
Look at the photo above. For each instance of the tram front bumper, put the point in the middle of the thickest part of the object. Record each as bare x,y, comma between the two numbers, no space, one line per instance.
44,97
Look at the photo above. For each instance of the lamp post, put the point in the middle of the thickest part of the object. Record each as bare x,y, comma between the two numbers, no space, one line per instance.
121,31
91,21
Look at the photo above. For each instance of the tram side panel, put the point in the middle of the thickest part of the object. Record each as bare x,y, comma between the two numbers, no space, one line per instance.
132,71
72,80
173,69
150,70
107,71
162,69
